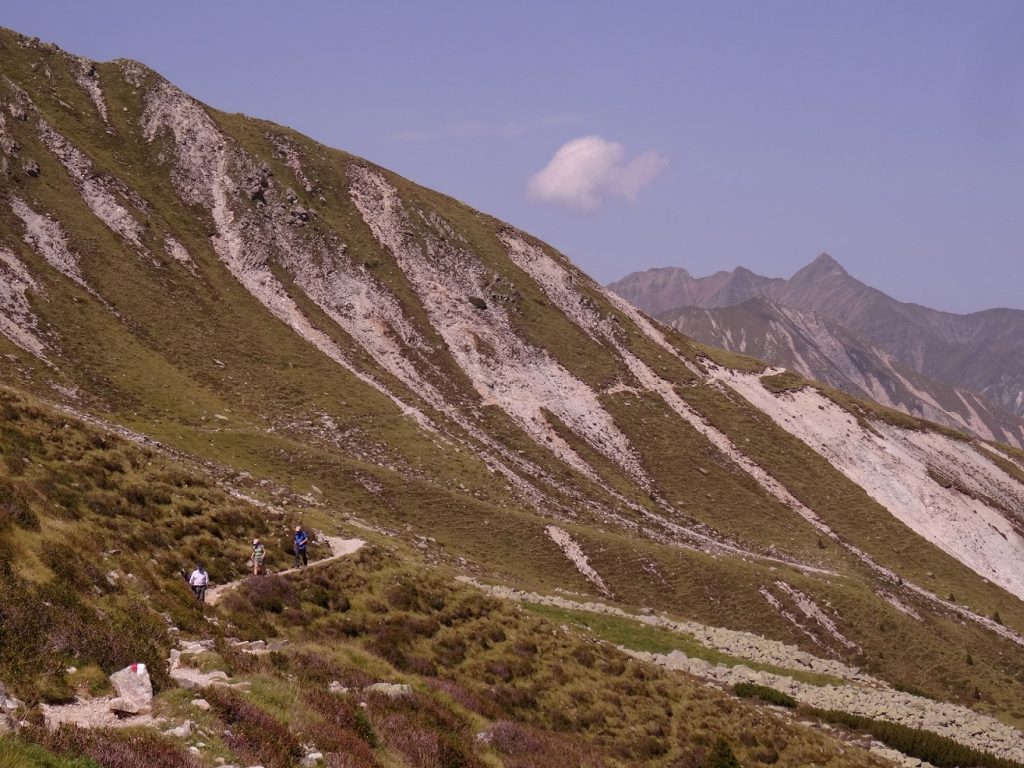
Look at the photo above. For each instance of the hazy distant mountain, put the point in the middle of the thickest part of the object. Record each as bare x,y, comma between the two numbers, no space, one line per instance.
982,351
824,350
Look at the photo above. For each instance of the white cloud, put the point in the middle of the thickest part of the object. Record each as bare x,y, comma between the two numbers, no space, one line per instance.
586,171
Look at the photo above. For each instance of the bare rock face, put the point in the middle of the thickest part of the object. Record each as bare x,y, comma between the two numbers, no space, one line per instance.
134,690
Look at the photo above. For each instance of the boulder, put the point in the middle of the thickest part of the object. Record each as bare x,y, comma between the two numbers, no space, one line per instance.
134,690
31,167
391,690
9,707
182,731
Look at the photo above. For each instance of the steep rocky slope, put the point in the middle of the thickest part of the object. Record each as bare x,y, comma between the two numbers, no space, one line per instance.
981,352
349,346
823,350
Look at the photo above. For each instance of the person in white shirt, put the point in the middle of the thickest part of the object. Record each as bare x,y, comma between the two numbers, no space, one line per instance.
198,581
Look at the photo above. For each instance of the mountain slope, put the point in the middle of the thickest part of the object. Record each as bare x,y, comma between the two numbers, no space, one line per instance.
982,351
825,351
285,314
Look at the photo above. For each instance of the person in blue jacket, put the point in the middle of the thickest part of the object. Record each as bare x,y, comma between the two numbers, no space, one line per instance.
299,547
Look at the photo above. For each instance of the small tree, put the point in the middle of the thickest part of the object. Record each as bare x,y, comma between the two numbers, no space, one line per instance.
721,756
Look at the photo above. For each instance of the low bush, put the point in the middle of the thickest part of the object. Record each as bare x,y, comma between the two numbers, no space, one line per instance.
721,756
118,749
252,732
764,693
938,750
521,746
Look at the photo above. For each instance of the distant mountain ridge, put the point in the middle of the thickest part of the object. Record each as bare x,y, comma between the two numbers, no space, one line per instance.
982,351
826,351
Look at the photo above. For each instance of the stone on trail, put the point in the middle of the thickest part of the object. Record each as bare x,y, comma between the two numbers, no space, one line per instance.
134,690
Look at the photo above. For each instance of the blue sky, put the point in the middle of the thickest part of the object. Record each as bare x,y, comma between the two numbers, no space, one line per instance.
705,135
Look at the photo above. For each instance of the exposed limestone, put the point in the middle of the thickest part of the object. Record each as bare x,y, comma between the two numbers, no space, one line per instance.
47,239
896,467
178,252
559,285
88,78
815,613
97,191
18,321
7,143
524,381
572,551
202,174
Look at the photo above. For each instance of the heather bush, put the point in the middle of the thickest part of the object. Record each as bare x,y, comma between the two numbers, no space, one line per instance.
15,507
270,593
521,746
252,732
423,730
118,749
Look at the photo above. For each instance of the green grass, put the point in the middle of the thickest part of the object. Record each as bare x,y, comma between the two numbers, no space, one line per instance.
637,636
17,753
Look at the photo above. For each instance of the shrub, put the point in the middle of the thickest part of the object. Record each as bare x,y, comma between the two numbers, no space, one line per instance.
253,733
721,756
14,506
938,750
270,593
521,746
764,693
113,749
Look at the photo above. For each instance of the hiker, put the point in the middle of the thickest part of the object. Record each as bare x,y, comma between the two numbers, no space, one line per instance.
258,553
299,546
198,581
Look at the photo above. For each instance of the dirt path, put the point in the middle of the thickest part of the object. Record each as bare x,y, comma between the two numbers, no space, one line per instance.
339,548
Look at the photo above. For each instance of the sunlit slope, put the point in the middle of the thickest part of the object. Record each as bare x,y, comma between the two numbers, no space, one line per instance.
247,296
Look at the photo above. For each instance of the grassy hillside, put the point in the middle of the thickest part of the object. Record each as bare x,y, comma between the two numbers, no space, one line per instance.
266,315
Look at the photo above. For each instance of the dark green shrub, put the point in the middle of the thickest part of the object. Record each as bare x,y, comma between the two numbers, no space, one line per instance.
938,750
721,756
764,693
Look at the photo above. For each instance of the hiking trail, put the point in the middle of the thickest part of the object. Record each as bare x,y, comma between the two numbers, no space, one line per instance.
340,547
